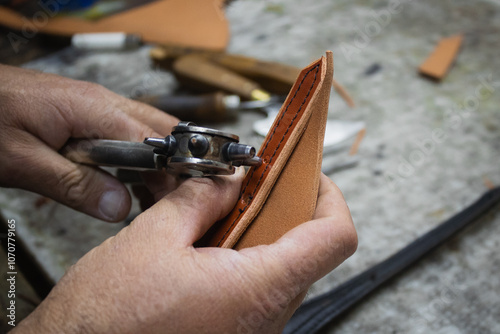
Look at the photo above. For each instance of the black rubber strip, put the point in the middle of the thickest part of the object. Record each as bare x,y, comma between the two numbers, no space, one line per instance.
318,312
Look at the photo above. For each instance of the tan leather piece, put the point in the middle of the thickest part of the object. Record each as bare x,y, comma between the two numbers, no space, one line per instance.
194,23
440,60
282,192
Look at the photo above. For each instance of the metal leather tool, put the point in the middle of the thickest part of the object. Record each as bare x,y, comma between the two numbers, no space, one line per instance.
189,151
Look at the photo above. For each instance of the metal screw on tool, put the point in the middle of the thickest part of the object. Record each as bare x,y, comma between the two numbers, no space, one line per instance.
198,145
240,154
167,145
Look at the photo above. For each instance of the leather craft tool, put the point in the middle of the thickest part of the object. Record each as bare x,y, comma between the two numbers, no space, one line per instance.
197,72
189,151
213,107
275,77
110,41
317,313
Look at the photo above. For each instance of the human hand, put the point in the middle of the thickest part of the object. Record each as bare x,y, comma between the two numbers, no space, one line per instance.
40,112
150,279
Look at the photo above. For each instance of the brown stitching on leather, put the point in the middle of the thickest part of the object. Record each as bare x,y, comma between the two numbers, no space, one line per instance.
241,211
281,118
286,132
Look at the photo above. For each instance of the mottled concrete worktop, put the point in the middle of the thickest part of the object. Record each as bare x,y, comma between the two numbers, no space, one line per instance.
429,151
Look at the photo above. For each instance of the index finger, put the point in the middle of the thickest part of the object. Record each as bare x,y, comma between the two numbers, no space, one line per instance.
159,121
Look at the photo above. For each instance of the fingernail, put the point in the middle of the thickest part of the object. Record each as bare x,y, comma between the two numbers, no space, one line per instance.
111,204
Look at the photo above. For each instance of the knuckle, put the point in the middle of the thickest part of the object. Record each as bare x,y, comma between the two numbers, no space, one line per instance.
90,90
343,239
350,241
196,195
75,184
11,174
92,94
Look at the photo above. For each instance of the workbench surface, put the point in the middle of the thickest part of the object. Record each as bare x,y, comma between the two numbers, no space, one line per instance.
406,182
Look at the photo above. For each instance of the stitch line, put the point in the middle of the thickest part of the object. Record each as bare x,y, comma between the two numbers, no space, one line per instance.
281,118
284,135
241,211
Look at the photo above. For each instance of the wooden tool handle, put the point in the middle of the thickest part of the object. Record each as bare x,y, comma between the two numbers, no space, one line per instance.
201,108
273,76
199,73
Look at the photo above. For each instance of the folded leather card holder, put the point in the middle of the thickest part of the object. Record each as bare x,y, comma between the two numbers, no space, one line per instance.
282,192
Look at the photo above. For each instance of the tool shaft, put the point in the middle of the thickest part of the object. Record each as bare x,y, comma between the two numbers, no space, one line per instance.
112,153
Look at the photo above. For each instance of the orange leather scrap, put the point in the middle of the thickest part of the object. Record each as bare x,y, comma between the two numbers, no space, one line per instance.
439,61
281,193
194,23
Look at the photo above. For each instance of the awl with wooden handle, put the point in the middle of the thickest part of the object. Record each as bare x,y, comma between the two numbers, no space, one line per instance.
214,107
199,73
273,76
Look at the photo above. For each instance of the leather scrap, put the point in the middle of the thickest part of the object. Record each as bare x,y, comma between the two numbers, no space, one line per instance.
440,60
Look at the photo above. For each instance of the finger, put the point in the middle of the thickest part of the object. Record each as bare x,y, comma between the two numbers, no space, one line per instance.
184,215
158,120
82,110
313,249
83,188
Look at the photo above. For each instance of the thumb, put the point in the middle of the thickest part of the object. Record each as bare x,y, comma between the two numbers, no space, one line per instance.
83,188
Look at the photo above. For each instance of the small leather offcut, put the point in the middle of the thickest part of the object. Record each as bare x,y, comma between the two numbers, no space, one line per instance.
194,23
282,192
439,61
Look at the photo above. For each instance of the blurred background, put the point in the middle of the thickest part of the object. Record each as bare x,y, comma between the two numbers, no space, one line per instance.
408,149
